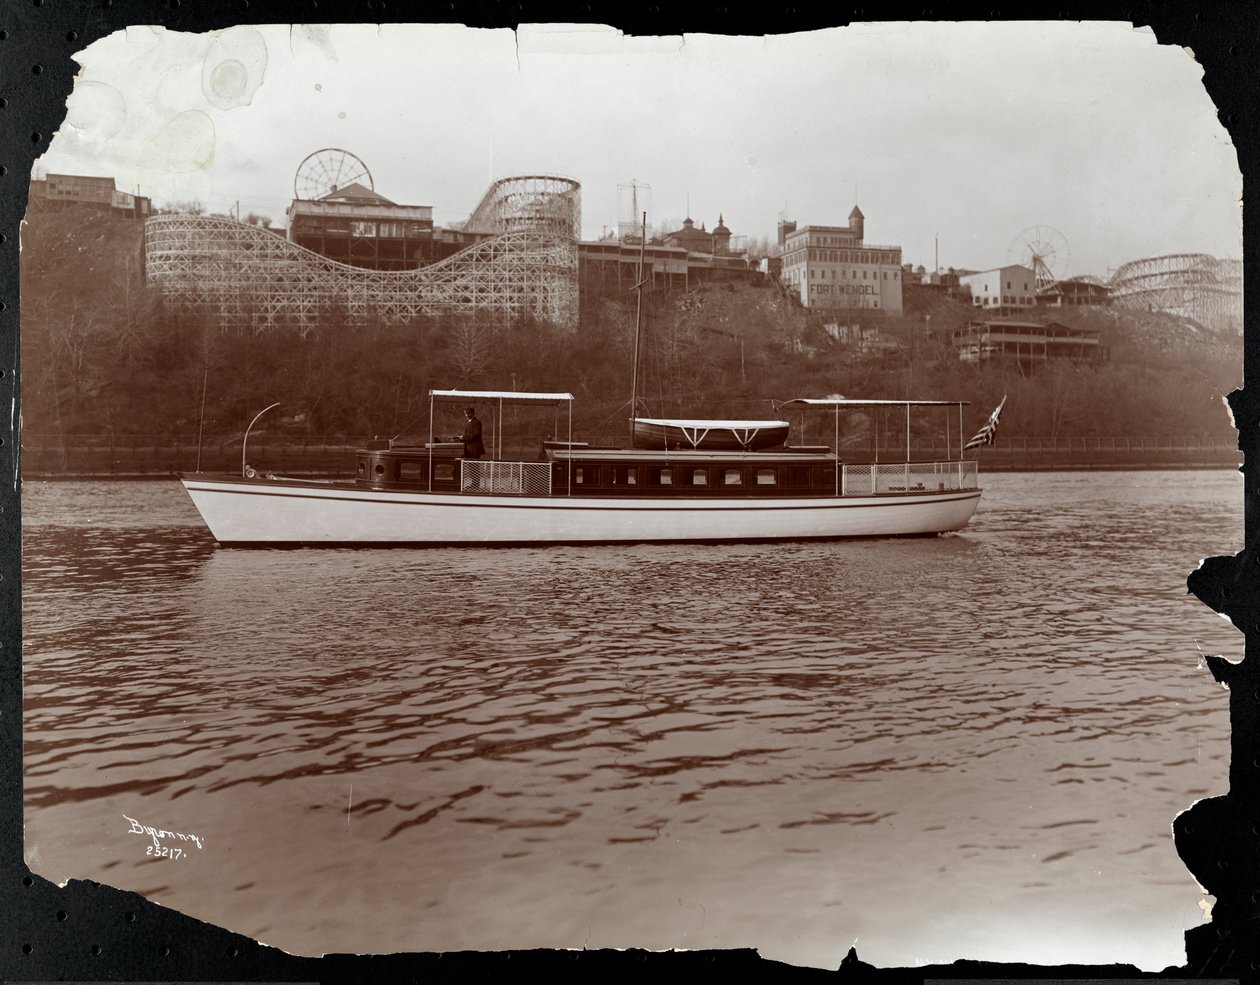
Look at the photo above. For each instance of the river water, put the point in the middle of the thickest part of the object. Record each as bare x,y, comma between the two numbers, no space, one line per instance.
970,746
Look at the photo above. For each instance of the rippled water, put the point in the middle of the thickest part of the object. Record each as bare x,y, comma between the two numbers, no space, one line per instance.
964,746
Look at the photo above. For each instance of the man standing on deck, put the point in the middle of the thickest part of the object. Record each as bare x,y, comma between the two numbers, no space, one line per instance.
473,447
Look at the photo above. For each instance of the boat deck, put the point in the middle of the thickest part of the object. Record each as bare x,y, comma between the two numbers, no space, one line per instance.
639,474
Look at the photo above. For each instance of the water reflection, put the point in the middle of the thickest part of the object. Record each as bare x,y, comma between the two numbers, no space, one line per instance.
584,746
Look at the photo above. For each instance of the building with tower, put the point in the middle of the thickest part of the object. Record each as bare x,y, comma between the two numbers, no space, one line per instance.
693,240
833,267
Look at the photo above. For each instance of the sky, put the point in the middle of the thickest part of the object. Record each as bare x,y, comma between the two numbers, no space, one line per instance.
964,135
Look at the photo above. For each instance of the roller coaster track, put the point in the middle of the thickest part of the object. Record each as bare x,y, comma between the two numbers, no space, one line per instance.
1194,285
244,277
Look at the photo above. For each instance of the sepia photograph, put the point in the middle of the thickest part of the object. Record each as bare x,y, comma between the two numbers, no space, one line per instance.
552,488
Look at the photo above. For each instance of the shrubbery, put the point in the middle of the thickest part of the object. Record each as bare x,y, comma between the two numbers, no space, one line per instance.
101,355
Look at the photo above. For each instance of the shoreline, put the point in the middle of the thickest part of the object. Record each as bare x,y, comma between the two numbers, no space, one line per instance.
985,468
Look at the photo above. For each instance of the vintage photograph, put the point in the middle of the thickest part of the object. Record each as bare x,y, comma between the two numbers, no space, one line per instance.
490,489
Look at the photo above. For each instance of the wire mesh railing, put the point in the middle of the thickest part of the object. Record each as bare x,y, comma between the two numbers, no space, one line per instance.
908,477
505,478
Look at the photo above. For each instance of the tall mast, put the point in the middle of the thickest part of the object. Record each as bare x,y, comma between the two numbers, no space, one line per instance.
638,330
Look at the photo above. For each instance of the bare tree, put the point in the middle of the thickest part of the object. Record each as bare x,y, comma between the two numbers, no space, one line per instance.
468,350
136,310
190,206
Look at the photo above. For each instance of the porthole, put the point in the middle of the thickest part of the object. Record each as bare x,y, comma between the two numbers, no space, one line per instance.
378,469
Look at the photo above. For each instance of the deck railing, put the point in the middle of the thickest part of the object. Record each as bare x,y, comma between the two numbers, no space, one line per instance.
50,455
867,480
505,478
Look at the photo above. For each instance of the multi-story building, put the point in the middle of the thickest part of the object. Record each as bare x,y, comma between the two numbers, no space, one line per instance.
1002,289
358,226
834,267
81,189
59,191
613,265
133,206
1082,290
1027,342
695,240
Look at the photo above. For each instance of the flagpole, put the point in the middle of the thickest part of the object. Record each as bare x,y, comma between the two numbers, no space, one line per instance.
638,331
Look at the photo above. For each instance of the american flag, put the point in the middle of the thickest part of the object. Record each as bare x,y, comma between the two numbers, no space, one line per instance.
985,435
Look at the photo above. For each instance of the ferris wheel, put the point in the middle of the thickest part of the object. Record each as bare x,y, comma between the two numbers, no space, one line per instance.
1044,250
327,170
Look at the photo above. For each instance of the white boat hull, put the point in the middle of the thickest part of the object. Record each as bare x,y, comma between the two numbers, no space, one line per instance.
241,512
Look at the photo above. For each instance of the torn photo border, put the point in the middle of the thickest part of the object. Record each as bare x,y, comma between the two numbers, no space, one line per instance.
101,927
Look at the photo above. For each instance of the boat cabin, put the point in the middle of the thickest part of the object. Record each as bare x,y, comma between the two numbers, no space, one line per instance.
601,472
573,468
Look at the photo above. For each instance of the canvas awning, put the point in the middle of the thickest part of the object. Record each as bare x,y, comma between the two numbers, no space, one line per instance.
694,424
506,396
842,402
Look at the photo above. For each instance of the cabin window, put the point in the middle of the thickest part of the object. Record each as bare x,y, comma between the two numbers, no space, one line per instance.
625,477
732,477
661,477
362,469
410,471
699,477
579,476
378,469
444,472
797,476
767,477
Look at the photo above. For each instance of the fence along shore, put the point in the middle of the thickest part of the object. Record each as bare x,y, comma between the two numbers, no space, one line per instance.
76,456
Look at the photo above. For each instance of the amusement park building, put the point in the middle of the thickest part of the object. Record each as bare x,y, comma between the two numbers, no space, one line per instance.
1027,343
354,257
680,261
833,267
1002,288
1080,291
693,240
356,226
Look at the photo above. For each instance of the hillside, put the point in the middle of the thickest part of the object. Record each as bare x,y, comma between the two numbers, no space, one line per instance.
102,356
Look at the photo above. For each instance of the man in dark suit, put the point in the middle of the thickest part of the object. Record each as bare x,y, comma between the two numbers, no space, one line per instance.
473,447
